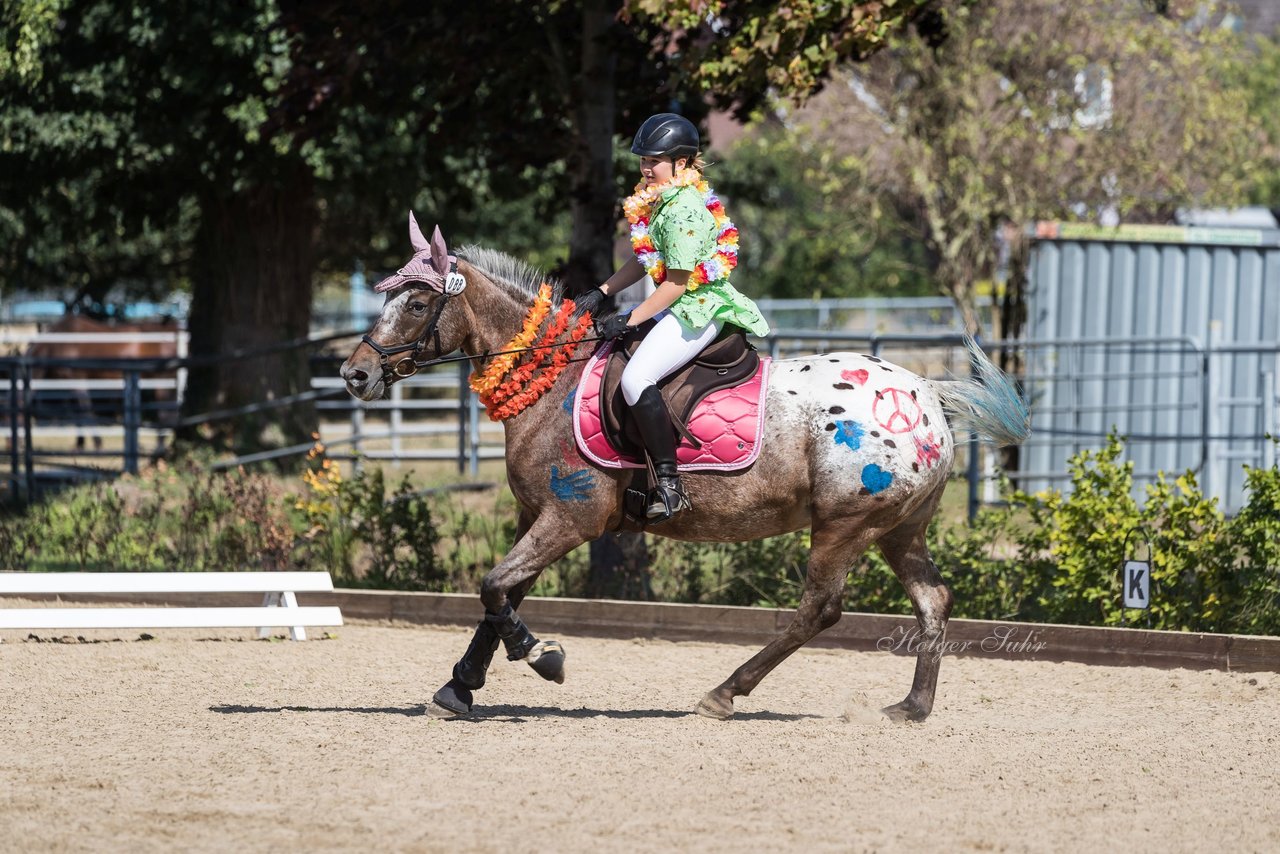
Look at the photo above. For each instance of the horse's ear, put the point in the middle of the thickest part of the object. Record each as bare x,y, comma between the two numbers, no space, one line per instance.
415,235
439,253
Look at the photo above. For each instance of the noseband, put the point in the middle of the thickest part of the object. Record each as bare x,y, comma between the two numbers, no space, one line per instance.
411,364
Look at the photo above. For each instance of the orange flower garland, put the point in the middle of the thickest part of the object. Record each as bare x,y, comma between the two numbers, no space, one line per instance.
505,396
548,377
486,383
524,373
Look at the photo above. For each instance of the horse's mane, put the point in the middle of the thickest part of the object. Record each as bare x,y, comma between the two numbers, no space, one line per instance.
518,277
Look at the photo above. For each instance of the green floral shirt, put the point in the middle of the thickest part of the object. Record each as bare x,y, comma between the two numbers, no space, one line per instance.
684,231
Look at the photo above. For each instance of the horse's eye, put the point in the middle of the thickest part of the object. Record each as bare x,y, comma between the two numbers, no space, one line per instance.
417,307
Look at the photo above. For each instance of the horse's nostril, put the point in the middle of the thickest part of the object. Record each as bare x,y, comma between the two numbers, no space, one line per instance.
357,377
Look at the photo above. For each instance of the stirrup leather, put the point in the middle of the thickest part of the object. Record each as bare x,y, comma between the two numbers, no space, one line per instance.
666,499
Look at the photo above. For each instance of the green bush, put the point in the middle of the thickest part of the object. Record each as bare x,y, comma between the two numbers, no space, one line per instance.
1047,557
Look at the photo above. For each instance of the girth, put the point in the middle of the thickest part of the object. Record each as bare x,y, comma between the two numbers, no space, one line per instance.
726,362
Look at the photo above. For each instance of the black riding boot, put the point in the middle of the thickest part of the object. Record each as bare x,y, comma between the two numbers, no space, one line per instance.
653,419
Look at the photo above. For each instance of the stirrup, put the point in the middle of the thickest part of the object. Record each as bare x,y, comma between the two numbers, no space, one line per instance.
666,499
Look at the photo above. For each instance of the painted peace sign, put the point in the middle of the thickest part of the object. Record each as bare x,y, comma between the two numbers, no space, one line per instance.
896,410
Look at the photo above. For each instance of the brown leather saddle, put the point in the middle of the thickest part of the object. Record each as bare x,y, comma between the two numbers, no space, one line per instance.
726,362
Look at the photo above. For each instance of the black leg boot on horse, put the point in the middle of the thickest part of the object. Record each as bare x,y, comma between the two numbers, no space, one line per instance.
545,657
469,673
654,422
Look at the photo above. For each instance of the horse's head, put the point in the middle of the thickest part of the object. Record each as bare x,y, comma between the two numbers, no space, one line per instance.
420,319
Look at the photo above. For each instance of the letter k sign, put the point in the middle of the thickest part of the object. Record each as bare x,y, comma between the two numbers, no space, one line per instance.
1137,584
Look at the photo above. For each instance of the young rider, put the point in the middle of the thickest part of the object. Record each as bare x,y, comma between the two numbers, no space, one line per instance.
685,242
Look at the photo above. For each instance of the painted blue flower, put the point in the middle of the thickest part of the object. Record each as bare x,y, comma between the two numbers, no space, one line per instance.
568,401
573,486
849,433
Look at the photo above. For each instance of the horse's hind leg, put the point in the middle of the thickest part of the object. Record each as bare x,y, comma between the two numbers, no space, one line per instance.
830,558
908,554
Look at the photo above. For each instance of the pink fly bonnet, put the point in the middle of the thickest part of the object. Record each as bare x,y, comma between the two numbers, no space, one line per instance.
431,266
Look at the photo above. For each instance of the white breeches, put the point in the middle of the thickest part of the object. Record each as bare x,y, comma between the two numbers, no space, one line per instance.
667,348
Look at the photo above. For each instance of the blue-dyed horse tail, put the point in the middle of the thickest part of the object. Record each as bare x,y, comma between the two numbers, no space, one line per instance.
988,403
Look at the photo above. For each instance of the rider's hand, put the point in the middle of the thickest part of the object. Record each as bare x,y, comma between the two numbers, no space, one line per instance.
614,327
588,303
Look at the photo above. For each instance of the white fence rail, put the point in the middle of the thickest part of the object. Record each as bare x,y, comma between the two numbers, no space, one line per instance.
279,605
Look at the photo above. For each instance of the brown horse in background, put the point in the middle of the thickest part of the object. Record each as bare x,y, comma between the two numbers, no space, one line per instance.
82,408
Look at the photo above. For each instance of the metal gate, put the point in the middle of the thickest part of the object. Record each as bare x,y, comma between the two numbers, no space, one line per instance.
1169,335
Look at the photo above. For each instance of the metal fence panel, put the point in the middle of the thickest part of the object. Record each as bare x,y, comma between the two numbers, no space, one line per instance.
1192,317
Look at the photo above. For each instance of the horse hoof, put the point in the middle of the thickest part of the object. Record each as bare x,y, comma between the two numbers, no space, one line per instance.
712,706
905,711
450,701
547,660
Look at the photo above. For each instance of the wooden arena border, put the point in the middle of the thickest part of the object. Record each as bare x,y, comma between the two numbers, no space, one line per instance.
855,631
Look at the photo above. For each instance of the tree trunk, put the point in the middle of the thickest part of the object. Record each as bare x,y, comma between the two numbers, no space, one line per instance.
620,568
593,206
1012,318
251,290
619,565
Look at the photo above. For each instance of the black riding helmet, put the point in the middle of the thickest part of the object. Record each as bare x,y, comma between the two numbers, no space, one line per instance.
666,135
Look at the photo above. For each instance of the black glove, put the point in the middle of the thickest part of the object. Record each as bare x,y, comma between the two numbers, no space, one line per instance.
588,302
614,327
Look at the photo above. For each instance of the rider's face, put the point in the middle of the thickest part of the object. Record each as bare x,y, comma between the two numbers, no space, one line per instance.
657,170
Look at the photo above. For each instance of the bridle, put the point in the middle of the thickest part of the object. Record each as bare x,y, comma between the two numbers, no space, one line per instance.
404,368
401,369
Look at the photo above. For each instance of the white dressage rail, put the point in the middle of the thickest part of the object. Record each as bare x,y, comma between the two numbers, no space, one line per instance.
279,604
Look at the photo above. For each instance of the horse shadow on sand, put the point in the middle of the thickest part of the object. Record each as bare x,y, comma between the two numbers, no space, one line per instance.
506,713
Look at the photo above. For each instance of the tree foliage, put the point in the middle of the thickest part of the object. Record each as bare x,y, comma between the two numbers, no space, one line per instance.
811,229
1257,72
1037,109
241,146
742,50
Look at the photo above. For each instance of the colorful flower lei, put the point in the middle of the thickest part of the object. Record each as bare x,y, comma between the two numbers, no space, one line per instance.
639,210
504,396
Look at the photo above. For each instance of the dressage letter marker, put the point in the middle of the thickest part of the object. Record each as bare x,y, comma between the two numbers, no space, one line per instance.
1137,584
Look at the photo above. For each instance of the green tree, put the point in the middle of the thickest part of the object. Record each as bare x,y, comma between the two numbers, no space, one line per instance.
239,147
743,52
811,227
1257,72
1040,110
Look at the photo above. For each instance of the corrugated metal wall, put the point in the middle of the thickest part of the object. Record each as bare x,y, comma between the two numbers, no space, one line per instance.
1168,335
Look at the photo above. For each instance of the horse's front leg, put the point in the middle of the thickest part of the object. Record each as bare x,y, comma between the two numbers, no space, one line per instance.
538,544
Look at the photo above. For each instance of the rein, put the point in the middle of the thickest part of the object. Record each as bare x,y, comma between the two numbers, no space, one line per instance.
416,366
411,364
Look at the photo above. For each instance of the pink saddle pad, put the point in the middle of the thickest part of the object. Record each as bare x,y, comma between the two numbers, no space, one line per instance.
729,424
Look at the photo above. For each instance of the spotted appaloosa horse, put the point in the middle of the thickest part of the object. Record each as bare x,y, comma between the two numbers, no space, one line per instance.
855,448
